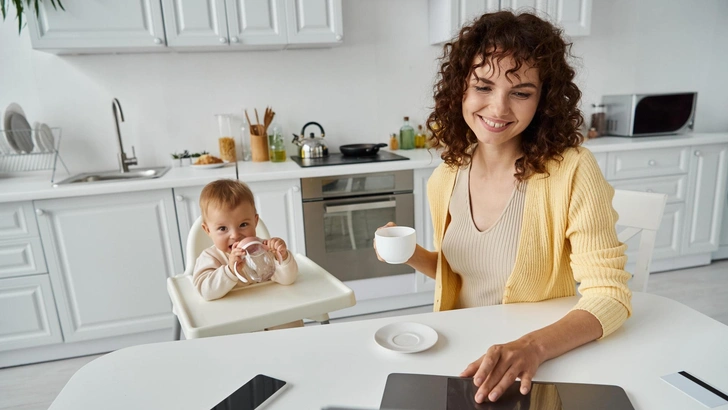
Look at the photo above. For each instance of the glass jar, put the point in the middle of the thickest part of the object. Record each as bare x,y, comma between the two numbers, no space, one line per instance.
226,142
245,152
599,119
276,144
406,135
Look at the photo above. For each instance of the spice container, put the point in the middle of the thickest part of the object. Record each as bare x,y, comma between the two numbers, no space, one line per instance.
420,137
598,120
226,142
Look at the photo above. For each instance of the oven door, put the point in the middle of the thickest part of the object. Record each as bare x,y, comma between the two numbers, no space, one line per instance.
340,233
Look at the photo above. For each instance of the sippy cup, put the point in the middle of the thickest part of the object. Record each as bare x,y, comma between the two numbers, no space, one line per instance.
260,260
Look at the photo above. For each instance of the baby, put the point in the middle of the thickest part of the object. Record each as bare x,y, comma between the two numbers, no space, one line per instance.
228,216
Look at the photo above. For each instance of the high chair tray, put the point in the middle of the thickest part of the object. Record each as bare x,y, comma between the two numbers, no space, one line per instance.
314,293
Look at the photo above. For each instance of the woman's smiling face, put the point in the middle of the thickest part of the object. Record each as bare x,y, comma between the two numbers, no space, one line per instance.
496,107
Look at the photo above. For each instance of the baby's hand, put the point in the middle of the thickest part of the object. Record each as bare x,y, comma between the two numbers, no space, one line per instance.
236,255
278,246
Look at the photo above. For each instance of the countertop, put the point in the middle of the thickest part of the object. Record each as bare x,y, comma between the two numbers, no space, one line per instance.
36,187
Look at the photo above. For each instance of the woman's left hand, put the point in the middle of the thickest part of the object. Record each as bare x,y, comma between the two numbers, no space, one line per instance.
499,367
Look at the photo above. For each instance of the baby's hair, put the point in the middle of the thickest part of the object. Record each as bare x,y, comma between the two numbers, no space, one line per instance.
225,194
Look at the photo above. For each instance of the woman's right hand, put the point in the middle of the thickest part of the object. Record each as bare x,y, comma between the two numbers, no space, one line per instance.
389,224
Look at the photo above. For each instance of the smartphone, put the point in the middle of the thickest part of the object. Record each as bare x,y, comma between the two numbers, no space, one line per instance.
253,395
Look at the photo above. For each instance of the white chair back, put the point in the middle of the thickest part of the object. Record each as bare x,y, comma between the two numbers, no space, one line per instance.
639,212
198,241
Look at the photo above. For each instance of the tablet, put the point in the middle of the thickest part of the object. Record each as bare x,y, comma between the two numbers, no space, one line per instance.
429,392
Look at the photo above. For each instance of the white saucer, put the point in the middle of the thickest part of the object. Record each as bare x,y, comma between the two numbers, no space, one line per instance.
406,337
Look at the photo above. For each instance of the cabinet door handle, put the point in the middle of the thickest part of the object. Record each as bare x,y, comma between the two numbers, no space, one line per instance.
698,153
179,198
157,40
234,39
39,212
651,163
296,189
338,37
223,40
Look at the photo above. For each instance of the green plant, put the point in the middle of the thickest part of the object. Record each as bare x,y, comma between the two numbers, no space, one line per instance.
22,5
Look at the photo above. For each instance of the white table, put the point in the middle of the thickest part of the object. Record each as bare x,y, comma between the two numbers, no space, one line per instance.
341,364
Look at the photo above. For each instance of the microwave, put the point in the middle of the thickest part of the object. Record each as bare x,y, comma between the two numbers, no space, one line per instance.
641,115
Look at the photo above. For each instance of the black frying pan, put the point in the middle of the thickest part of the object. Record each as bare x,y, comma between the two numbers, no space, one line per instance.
360,150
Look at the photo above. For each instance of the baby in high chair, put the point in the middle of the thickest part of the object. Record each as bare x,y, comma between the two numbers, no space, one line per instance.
228,217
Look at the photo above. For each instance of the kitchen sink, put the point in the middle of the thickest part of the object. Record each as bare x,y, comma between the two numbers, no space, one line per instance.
115,175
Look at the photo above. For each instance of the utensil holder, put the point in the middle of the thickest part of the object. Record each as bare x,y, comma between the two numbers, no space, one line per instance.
259,146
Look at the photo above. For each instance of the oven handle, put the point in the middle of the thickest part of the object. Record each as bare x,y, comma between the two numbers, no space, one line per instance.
360,207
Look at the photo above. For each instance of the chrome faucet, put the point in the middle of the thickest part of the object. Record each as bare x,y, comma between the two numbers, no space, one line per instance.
124,161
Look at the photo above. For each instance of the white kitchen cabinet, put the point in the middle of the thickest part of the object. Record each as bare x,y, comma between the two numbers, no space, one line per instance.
27,313
278,204
423,223
21,252
195,23
722,252
98,26
108,258
574,16
707,188
225,24
448,16
312,22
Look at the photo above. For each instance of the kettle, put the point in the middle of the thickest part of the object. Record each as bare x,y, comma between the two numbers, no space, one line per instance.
311,147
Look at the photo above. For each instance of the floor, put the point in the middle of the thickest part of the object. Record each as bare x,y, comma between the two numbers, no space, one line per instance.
33,387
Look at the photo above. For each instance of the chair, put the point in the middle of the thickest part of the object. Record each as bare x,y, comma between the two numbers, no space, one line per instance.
314,294
639,212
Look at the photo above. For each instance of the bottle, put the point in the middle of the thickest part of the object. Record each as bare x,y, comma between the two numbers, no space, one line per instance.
276,145
407,135
420,137
393,142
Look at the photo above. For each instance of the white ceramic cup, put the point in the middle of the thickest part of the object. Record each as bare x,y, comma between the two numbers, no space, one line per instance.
395,244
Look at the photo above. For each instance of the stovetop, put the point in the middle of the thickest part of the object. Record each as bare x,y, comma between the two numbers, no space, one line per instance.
340,159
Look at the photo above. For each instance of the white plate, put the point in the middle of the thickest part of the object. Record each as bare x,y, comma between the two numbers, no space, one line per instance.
209,166
20,138
45,138
406,337
5,144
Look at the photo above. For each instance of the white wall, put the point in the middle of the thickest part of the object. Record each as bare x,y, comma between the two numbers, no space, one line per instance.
358,91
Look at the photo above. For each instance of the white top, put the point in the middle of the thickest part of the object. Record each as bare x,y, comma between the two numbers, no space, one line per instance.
341,364
484,260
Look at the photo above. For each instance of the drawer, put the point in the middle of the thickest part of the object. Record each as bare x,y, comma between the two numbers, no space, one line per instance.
17,220
22,256
647,163
673,186
28,313
601,158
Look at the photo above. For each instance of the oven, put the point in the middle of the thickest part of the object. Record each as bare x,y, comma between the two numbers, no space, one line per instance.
341,214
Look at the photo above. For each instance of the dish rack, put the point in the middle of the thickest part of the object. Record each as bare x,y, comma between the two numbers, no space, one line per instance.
40,158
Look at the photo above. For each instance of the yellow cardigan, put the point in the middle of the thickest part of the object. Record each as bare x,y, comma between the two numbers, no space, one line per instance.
568,234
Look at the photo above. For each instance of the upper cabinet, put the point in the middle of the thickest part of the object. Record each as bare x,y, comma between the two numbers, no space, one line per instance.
186,25
98,26
448,16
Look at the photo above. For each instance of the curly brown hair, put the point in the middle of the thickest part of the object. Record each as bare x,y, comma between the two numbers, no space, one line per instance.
528,40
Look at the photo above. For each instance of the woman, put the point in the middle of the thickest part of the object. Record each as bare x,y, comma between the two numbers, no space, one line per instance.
519,211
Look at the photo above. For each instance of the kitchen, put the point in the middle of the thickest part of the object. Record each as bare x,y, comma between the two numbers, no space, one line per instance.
382,70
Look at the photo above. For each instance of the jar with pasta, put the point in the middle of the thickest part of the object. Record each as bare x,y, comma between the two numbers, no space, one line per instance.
226,141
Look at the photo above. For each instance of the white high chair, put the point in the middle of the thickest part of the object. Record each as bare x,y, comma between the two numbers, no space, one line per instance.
314,294
639,212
